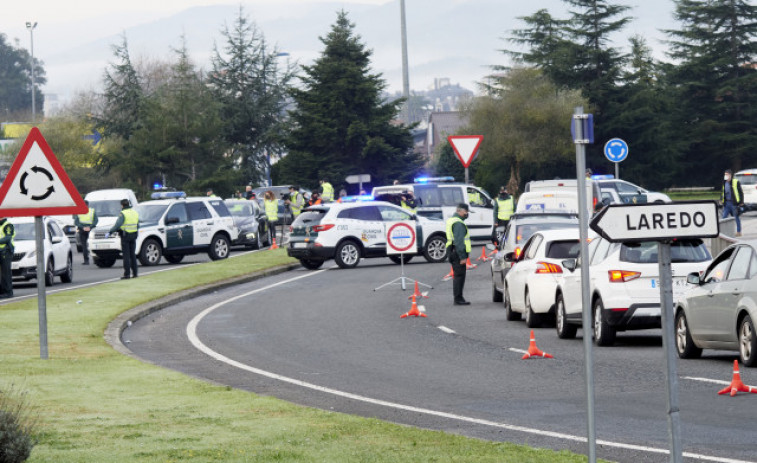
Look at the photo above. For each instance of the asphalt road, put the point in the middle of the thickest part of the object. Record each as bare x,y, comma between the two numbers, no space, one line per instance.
327,339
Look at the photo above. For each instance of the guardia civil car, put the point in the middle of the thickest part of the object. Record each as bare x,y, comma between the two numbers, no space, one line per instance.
347,232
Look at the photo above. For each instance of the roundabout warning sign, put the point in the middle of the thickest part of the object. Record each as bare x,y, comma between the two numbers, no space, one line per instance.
400,238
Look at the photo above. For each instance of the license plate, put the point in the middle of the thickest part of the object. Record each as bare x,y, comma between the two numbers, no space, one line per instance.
679,285
299,245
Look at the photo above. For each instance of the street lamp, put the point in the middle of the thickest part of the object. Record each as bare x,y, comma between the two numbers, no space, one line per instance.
405,77
31,28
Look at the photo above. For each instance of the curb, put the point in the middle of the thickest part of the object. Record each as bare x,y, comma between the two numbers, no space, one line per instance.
117,325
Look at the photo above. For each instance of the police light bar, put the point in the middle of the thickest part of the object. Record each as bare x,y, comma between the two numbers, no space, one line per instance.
168,195
355,198
433,179
602,177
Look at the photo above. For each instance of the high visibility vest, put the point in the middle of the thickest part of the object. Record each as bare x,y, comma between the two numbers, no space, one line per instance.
131,221
450,237
3,235
734,192
317,201
405,205
505,208
328,192
474,197
88,218
271,209
293,200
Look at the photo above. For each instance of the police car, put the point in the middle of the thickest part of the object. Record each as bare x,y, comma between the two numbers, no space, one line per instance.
349,231
171,228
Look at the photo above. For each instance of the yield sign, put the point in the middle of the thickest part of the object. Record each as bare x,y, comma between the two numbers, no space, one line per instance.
466,147
37,185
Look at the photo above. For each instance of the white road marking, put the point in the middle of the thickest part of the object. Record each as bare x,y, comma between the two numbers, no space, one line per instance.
520,351
199,345
707,380
445,329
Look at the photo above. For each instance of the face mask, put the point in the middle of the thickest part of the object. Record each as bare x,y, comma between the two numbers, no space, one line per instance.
726,178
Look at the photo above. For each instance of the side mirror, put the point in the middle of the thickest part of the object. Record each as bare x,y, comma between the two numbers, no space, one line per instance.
171,220
510,257
57,239
570,264
693,279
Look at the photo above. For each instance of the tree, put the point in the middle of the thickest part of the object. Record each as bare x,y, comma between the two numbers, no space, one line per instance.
340,125
16,88
123,96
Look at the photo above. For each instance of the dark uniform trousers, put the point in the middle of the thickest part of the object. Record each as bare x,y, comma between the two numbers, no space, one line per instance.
129,251
84,241
6,271
458,270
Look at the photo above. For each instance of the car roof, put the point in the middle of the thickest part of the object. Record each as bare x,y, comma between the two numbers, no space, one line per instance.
747,172
547,213
568,233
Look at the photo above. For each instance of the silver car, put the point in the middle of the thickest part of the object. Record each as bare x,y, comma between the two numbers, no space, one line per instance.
721,310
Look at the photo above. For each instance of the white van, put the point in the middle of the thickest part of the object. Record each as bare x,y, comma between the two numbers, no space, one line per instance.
438,199
593,193
544,201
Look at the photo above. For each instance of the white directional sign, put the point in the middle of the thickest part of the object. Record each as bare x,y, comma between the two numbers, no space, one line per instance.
362,178
465,147
657,222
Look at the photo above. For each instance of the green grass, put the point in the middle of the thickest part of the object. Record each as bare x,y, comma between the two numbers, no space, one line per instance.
693,195
96,405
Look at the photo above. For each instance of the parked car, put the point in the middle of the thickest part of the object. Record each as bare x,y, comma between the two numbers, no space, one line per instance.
347,232
630,193
57,248
624,288
720,311
521,227
250,222
530,284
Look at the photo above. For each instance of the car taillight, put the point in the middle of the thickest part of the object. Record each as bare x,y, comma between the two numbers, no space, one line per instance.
546,267
323,228
622,276
594,204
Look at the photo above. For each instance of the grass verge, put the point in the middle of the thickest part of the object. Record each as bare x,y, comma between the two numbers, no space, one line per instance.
96,405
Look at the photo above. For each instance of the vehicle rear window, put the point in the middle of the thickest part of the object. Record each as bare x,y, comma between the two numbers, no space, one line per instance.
524,231
368,213
567,249
747,179
680,251
310,217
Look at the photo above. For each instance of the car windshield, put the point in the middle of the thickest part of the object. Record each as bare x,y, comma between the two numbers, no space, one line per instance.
24,231
107,207
150,213
524,231
241,208
680,251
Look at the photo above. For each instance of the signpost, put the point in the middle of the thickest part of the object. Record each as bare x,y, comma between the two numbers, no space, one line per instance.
466,149
362,178
401,239
662,223
616,150
37,185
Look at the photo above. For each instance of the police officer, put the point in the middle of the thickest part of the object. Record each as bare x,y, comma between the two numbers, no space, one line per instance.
327,192
271,205
458,249
84,223
7,233
408,202
127,226
732,196
296,201
504,206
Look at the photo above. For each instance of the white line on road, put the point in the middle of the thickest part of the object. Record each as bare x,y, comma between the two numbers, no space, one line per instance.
445,329
520,351
199,345
707,380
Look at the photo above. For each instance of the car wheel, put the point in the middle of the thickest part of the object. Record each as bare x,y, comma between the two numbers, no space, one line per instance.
311,264
219,247
347,255
151,252
496,294
604,334
68,275
509,314
50,272
174,259
747,342
684,344
532,320
435,250
565,330
406,258
104,262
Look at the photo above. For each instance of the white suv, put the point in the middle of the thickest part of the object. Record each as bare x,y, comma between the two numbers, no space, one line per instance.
347,232
171,228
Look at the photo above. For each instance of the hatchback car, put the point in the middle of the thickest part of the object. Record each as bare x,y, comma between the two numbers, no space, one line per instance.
57,248
624,286
720,311
347,232
250,222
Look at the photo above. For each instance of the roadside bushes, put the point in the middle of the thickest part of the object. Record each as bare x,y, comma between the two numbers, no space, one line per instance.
16,426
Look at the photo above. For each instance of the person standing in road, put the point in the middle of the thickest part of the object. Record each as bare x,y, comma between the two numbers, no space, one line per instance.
271,205
327,192
127,226
84,223
504,206
731,197
248,193
458,249
296,201
7,233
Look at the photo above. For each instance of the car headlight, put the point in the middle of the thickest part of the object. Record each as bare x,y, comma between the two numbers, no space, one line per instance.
250,236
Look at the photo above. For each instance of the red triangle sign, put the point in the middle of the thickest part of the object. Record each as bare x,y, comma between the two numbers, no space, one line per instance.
466,147
37,185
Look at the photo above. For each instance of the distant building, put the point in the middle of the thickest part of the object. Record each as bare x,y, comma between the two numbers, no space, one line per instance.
440,126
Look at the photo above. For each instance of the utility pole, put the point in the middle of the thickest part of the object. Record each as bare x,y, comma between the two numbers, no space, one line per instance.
31,28
405,77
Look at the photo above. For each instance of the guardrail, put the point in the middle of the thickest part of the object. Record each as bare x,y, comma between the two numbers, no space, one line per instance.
726,238
690,189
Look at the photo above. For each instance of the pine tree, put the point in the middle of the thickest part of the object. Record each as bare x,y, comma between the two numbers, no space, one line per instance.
123,96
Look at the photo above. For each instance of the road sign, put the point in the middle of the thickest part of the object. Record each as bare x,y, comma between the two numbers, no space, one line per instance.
616,150
362,178
400,237
586,124
657,222
465,147
37,185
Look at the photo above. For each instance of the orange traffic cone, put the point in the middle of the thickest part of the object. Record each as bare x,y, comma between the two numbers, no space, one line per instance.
417,292
274,245
534,351
483,257
450,275
413,311
736,384
469,265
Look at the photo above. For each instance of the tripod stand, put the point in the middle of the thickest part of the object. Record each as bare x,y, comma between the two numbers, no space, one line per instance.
402,279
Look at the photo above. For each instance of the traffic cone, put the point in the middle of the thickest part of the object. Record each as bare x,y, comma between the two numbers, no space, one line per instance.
417,292
450,275
534,351
483,257
413,311
469,265
274,245
736,384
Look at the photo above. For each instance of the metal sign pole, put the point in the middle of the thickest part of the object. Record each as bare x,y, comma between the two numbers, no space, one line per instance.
466,175
583,228
617,170
668,340
39,231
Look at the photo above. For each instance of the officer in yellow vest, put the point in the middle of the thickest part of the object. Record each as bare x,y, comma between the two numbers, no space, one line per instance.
458,249
271,205
327,192
7,233
731,197
296,201
408,202
127,226
84,223
504,206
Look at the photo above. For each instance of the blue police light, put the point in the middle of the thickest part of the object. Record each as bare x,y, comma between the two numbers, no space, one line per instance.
356,198
602,177
433,179
420,180
156,186
168,195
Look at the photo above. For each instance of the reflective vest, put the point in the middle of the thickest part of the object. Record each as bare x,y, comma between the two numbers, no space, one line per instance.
293,200
328,192
405,205
88,218
734,191
474,197
271,209
317,201
131,221
450,238
505,208
3,235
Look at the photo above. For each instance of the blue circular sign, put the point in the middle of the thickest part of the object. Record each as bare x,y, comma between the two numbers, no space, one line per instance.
616,150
